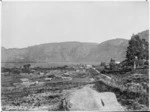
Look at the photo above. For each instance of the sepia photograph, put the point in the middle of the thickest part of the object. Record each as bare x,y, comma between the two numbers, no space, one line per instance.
74,55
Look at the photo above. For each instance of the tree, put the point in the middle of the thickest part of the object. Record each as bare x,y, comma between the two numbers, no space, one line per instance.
26,68
112,64
145,50
103,64
137,50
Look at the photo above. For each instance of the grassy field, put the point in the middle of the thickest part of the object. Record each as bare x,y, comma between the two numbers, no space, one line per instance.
131,88
44,95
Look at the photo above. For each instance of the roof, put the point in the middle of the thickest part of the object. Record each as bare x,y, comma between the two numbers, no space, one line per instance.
117,62
24,79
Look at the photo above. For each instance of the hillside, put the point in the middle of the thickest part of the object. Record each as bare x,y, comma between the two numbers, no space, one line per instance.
70,52
144,35
114,48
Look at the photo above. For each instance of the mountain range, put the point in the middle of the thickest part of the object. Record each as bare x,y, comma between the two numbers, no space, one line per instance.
70,52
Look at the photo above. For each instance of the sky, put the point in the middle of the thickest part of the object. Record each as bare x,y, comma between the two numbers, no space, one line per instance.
31,23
